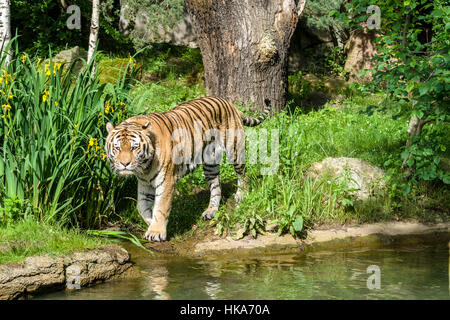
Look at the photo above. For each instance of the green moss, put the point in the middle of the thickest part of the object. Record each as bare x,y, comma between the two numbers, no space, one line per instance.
109,70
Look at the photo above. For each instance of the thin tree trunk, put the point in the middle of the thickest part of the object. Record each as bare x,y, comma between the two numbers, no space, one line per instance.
5,28
244,45
93,37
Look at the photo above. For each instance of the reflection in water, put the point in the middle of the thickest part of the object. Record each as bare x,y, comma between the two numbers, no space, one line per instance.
212,289
416,272
157,283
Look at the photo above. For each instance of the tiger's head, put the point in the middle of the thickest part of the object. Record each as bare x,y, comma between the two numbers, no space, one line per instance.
129,148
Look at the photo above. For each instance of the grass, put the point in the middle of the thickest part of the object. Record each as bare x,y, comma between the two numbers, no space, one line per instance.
31,237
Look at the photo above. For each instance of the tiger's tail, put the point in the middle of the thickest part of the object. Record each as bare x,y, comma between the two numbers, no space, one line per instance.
252,122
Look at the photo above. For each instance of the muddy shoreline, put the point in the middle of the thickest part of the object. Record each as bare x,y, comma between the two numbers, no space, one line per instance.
371,235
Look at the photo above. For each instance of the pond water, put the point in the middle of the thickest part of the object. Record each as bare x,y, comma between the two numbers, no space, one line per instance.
418,272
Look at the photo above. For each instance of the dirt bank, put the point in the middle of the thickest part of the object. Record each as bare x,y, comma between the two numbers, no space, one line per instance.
376,234
46,273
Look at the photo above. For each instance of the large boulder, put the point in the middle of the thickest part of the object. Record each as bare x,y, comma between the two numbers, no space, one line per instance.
360,49
359,175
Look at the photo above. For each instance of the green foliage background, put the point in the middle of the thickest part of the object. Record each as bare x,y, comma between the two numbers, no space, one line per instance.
412,68
42,25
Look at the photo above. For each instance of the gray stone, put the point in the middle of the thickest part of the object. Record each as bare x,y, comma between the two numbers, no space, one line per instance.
356,173
70,55
43,273
335,85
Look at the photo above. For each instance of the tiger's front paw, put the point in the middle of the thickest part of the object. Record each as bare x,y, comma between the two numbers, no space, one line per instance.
209,214
155,234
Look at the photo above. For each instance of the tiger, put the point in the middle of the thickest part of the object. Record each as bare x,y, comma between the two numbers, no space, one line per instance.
161,148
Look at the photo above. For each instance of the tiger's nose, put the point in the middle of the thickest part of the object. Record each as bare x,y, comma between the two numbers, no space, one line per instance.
125,164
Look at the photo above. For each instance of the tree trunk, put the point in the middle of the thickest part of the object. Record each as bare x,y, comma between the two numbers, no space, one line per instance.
244,44
5,28
93,37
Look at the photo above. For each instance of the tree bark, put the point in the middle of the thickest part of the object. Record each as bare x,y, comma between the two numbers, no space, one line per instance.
244,45
5,28
93,36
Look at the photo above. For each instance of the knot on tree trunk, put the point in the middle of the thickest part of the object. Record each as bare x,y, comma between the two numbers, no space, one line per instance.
267,50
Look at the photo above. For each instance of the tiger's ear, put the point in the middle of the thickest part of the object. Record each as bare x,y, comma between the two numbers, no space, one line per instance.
109,127
147,130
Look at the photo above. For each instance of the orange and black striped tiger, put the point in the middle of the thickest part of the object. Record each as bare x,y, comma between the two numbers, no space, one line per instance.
160,148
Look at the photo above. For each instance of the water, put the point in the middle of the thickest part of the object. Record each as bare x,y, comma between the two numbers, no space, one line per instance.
420,272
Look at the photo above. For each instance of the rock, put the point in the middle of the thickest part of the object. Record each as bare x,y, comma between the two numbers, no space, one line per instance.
239,234
360,49
70,55
365,235
335,85
272,227
313,79
358,174
181,34
38,274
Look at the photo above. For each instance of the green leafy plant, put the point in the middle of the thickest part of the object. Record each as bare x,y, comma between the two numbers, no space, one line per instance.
253,223
51,139
412,68
289,221
43,25
335,62
299,87
12,210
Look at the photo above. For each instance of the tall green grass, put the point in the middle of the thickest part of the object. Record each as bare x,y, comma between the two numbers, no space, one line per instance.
52,129
288,195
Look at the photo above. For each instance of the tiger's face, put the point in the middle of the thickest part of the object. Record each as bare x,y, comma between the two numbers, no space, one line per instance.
129,149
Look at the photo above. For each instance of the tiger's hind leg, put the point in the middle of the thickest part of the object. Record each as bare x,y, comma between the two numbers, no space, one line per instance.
212,176
236,153
241,182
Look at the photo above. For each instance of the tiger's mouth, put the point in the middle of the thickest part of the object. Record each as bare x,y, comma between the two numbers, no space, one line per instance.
125,172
